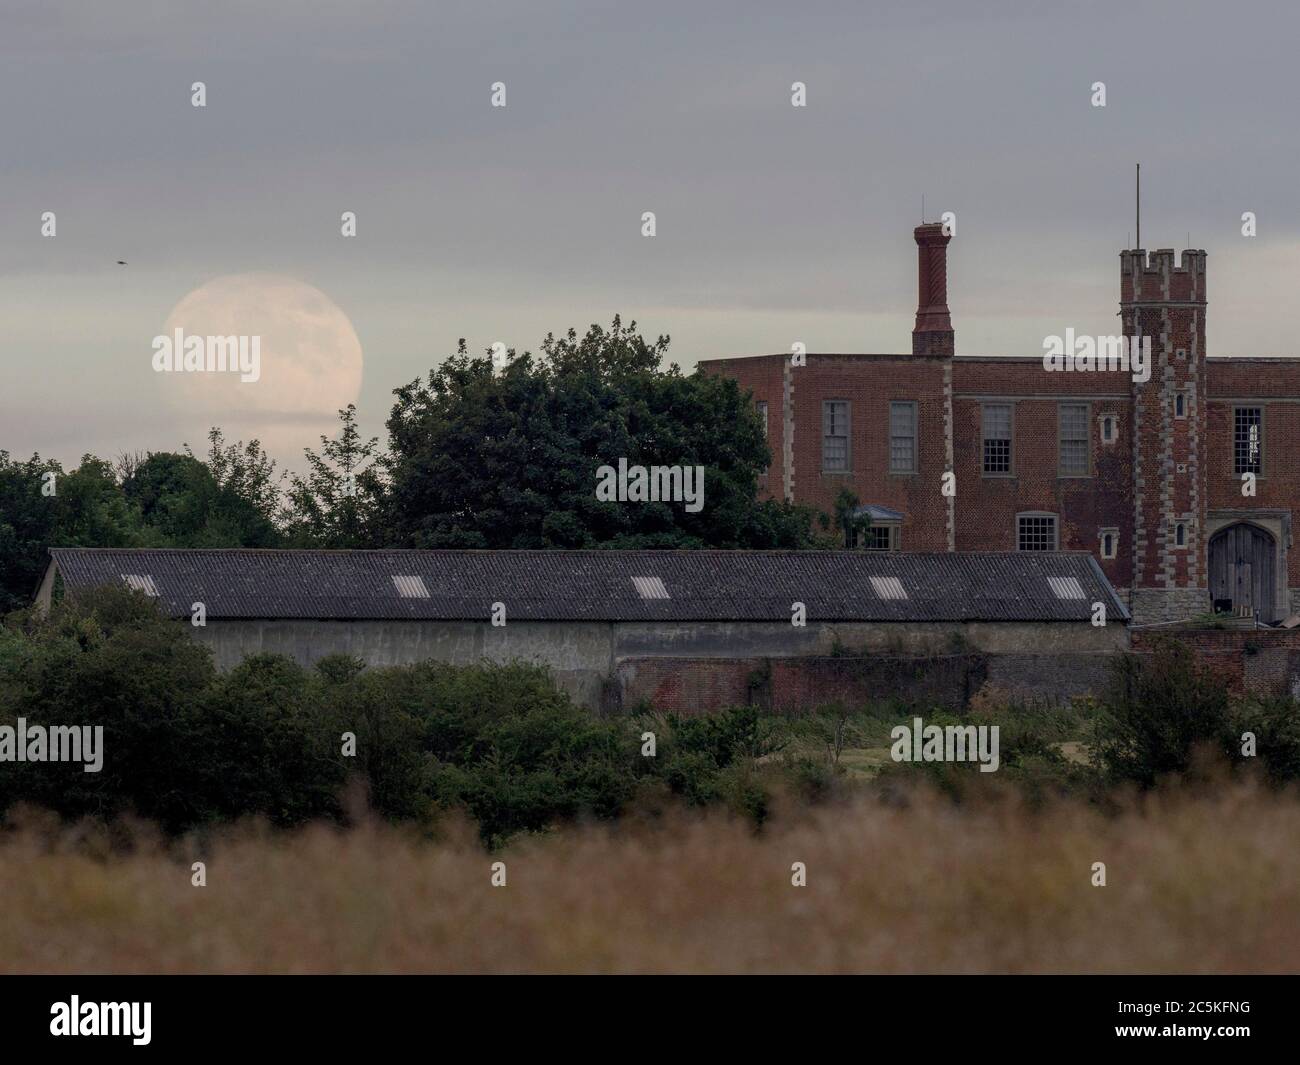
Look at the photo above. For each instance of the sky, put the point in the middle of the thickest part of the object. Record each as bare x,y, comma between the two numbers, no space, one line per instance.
773,223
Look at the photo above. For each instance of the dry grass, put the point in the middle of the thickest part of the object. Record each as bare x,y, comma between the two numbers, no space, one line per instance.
1195,884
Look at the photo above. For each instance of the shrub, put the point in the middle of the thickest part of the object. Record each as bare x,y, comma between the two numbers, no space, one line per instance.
109,659
1276,725
1158,710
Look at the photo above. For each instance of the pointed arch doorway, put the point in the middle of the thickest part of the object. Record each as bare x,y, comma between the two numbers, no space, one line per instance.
1243,569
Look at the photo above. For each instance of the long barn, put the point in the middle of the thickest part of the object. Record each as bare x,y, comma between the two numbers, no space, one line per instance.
681,630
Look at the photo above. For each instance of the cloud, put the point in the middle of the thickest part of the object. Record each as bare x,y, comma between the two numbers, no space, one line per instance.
499,224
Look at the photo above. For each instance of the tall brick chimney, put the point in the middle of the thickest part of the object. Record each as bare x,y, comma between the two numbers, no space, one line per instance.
933,334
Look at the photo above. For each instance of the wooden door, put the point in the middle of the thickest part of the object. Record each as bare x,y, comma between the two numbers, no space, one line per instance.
1243,561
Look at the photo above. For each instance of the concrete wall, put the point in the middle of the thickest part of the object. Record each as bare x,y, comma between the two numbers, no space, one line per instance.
684,666
580,655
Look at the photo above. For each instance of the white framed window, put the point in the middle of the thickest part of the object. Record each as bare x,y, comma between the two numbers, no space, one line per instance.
881,538
902,437
1248,440
1109,429
996,423
1072,440
1036,531
835,436
1180,404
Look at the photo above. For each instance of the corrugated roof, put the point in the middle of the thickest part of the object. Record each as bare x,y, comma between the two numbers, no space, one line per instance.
603,585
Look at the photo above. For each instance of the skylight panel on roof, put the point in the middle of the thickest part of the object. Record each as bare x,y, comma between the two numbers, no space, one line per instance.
1066,587
410,587
140,583
888,587
650,587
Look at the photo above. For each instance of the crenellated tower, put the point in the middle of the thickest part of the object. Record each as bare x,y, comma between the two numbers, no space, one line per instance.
1164,299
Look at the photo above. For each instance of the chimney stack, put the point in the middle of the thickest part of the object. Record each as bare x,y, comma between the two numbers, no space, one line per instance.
933,334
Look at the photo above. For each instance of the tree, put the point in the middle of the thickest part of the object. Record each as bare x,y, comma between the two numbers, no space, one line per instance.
851,526
42,506
109,659
507,457
1159,709
338,503
228,501
247,503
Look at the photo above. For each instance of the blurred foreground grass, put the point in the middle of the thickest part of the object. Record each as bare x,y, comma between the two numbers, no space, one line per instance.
1195,883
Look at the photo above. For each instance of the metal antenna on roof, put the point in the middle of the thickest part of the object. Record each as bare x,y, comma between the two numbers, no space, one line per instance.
1138,198
923,208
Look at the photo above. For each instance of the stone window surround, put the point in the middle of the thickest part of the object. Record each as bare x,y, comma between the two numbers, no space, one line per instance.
1056,526
1113,532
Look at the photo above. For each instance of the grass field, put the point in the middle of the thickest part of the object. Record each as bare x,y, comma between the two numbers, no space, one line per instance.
864,734
1207,883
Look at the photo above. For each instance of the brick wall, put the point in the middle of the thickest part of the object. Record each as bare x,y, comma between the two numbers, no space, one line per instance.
764,376
686,685
800,684
792,685
986,506
1165,300
1275,387
1260,661
869,383
1161,469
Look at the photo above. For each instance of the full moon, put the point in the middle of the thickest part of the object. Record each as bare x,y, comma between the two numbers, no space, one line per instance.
310,363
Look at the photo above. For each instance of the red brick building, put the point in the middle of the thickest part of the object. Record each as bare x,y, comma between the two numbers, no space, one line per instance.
1180,483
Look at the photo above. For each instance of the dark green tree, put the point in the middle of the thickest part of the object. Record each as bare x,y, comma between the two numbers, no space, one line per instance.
42,506
507,457
247,502
338,504
1160,708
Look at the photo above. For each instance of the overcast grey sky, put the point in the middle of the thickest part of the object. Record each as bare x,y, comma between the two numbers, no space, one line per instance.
775,223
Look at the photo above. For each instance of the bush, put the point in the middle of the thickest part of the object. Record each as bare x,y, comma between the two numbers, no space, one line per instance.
1159,710
731,734
1276,725
811,780
110,659
186,746
267,745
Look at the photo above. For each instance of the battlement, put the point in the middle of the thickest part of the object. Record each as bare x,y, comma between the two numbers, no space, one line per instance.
1159,276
